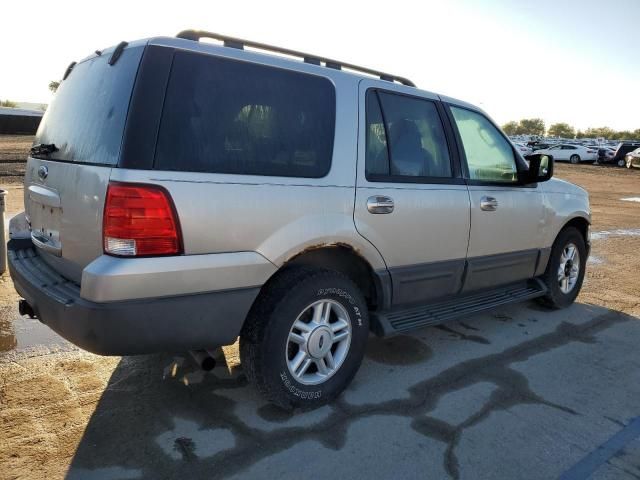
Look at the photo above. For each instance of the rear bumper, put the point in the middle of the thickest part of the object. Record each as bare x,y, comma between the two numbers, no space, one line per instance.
167,324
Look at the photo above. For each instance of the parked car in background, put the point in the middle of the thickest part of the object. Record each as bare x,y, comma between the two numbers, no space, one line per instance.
523,149
571,153
621,150
632,159
539,146
606,154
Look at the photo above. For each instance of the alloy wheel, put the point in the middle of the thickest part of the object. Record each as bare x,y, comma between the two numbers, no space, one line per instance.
318,342
569,268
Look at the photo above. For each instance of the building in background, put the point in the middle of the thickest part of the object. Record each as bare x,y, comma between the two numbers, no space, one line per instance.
19,121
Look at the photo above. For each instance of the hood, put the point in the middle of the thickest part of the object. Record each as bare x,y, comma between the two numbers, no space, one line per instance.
556,185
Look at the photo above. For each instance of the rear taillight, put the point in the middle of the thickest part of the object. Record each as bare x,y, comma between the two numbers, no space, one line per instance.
140,220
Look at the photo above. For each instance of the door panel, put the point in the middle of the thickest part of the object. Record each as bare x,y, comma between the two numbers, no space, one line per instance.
424,237
516,224
559,153
427,281
427,225
507,219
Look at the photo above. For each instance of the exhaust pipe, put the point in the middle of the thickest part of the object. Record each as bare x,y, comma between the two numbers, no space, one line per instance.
203,359
25,309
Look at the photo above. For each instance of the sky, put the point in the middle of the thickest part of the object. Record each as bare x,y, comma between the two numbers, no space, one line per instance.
564,61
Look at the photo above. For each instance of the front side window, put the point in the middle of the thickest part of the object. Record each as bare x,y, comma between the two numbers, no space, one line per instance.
489,155
228,116
405,138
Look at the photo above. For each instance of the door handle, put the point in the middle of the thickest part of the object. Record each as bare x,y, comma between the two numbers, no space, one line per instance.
488,204
380,204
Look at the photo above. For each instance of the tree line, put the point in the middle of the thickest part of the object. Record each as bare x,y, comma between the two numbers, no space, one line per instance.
536,126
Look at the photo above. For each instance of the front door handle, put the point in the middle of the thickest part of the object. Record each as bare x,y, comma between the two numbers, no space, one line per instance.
488,204
380,204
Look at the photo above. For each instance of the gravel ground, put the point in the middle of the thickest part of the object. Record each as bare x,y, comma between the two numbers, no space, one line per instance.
13,153
520,392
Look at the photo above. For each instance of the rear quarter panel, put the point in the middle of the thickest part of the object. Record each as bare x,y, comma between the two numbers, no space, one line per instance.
276,217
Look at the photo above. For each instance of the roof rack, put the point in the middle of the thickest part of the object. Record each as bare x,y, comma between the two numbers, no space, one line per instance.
239,43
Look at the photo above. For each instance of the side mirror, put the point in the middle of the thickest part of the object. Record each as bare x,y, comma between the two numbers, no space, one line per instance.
540,168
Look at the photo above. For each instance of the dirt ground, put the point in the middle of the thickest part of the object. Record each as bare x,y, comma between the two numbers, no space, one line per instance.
56,402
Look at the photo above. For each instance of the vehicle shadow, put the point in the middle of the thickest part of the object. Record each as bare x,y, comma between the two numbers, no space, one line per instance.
162,417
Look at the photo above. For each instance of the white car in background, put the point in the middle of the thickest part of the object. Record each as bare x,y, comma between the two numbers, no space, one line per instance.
571,153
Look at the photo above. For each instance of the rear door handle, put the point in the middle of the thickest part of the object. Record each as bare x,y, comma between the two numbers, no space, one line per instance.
380,204
488,204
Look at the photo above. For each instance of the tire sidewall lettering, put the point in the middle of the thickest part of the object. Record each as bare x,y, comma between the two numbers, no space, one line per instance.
338,292
303,394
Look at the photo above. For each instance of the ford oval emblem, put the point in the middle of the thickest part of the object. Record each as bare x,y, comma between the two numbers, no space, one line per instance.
43,171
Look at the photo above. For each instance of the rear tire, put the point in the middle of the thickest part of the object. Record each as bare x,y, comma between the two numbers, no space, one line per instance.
565,271
305,337
575,159
622,162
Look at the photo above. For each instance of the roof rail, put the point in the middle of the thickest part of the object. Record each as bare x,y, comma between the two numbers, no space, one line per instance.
239,43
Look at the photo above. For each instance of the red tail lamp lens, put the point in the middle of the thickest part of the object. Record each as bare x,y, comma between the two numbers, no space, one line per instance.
140,220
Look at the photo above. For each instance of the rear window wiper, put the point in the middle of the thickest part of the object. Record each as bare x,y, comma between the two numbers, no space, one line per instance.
44,149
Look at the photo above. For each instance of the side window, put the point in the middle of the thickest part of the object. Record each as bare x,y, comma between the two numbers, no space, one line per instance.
405,138
228,116
377,154
489,155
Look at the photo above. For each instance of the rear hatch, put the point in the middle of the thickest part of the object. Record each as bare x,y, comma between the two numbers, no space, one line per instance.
66,185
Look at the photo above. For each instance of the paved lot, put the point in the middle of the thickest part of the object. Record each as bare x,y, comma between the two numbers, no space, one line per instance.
516,393
519,392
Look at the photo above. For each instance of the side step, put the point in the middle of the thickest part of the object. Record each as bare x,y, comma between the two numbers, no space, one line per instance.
403,319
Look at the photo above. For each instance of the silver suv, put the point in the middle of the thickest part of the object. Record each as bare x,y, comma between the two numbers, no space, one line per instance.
180,194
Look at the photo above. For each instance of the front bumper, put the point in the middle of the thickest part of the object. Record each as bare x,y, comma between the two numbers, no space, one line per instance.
166,324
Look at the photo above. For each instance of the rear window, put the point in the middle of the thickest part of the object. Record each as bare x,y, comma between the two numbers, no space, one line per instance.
87,115
228,116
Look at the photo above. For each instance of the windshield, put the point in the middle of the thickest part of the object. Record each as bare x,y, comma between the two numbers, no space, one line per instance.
85,120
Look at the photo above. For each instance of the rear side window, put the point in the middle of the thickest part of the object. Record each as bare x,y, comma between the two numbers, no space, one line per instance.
377,156
405,138
228,116
86,118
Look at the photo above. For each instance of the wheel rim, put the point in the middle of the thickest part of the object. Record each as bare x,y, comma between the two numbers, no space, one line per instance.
621,163
574,159
318,342
569,268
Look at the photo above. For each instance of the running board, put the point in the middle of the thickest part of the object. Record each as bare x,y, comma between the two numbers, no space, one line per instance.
400,320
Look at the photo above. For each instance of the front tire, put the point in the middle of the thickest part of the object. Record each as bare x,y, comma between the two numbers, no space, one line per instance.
575,159
565,271
622,162
305,337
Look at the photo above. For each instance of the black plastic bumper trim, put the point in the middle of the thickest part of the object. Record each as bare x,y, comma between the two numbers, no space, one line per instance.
168,324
